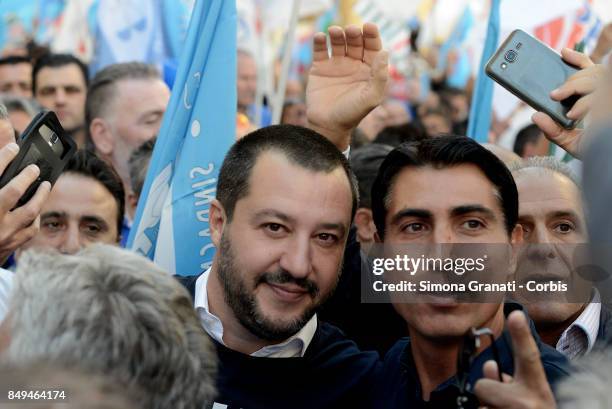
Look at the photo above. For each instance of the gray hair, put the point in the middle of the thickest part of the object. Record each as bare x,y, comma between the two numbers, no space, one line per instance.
589,384
3,112
544,164
103,87
107,310
17,103
139,165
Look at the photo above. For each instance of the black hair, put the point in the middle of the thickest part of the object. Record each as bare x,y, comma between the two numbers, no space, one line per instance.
14,60
88,164
529,134
444,152
302,146
396,135
365,162
55,61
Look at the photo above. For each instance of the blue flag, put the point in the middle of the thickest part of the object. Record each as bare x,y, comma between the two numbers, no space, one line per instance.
171,223
482,100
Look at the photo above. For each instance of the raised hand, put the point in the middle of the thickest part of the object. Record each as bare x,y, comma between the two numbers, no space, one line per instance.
529,388
344,88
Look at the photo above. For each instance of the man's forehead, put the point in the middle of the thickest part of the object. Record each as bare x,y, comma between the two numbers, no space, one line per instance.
540,185
443,189
52,75
277,182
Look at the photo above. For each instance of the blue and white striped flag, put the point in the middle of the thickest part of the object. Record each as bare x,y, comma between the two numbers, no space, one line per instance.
482,99
171,224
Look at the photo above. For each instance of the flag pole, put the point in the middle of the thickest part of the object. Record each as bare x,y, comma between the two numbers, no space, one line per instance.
261,63
279,98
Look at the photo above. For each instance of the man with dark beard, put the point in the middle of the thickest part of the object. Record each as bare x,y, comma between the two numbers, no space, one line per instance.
280,222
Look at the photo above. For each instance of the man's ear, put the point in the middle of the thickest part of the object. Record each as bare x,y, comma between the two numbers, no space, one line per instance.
365,225
517,235
102,137
216,223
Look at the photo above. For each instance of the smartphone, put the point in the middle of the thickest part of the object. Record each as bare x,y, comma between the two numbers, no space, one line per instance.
530,70
45,144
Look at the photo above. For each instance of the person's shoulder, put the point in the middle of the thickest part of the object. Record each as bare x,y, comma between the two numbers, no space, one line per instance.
331,345
397,350
555,363
604,333
189,282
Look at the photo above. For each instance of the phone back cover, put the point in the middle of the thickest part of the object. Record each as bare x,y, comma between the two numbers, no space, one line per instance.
536,71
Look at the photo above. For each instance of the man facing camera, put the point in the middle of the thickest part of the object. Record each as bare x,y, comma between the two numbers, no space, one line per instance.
59,83
447,190
285,202
551,214
85,206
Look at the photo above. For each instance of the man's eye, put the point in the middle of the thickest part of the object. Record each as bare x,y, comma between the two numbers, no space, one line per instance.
473,224
274,228
328,238
51,225
92,228
564,228
414,227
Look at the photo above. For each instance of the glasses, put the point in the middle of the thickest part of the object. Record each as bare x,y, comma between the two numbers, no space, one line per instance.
471,344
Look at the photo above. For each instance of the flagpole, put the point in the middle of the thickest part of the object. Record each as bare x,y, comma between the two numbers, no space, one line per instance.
261,64
279,98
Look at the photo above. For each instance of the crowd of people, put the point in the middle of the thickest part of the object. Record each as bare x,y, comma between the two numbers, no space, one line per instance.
278,321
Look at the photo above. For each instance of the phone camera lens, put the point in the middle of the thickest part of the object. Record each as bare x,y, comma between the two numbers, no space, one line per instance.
510,56
54,139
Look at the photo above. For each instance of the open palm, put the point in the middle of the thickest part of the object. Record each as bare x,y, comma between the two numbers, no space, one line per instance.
343,88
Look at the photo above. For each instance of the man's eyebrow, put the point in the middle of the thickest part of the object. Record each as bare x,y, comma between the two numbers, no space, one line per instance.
93,219
339,227
564,213
409,212
465,209
53,214
273,213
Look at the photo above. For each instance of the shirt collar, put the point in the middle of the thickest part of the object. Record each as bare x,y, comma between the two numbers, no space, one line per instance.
294,346
587,321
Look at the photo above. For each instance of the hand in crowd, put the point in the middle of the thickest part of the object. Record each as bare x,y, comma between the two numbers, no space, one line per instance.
529,387
344,88
583,83
21,224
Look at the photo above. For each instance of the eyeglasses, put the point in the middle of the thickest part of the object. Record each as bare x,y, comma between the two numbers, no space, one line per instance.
471,344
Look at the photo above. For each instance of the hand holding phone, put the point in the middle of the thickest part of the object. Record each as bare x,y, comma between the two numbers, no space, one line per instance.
531,70
45,144
19,225
583,84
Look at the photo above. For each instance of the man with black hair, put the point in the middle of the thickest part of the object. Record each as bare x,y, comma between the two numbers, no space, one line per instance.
283,210
16,76
59,83
530,141
85,206
447,189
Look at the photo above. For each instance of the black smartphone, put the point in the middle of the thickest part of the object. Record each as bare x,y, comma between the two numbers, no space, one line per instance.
45,144
530,70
